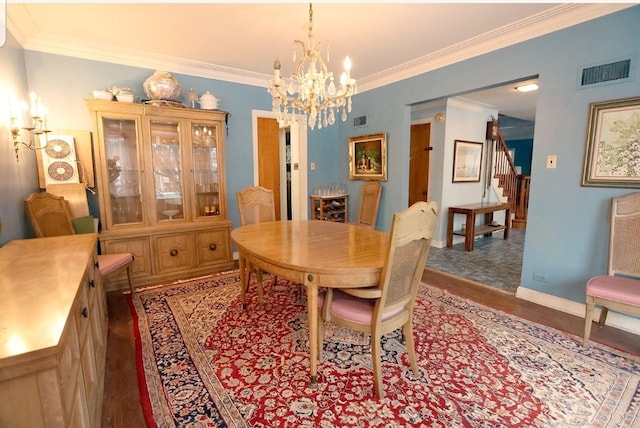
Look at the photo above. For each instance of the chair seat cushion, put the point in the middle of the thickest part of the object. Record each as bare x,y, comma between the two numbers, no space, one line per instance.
616,288
111,262
353,308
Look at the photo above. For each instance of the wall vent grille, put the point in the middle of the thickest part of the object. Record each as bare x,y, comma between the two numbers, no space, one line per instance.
606,72
359,121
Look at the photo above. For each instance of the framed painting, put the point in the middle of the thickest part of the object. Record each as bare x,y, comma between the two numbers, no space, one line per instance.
368,157
612,152
467,161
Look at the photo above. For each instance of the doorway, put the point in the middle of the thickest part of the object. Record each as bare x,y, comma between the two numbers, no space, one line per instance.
280,163
419,162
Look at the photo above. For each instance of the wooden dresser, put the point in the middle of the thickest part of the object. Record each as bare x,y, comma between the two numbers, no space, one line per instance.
53,333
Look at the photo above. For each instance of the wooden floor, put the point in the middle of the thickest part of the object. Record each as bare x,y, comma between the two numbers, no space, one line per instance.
121,406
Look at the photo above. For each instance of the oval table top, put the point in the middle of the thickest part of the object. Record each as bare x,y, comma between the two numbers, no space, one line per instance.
320,247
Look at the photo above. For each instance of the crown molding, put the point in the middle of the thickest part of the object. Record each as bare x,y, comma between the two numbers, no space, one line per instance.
556,18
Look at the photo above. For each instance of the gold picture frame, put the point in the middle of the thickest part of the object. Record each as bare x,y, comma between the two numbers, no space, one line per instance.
467,161
612,151
368,157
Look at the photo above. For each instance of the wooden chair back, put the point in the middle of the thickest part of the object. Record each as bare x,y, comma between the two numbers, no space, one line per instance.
624,237
50,215
369,204
255,205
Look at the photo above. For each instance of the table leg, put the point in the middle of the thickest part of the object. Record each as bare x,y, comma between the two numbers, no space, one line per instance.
507,222
243,280
450,229
469,237
312,309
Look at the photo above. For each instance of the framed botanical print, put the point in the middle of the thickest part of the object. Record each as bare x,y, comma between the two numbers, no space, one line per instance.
368,157
612,152
467,161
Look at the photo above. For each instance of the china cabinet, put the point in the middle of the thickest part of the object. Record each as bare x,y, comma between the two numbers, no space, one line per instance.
330,208
161,184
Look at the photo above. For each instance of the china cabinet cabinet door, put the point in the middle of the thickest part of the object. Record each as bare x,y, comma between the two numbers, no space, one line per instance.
167,170
123,175
204,143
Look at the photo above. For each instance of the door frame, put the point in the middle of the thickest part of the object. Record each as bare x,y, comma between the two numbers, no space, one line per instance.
299,175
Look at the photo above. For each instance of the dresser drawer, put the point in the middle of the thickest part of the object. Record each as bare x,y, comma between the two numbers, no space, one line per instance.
213,246
174,252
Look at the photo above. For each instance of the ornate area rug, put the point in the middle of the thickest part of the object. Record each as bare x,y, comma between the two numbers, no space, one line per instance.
204,361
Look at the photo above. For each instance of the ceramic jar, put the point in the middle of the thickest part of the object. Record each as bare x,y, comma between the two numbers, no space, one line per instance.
208,101
161,85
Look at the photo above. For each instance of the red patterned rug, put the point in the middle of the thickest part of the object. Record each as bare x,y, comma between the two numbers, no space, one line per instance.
205,362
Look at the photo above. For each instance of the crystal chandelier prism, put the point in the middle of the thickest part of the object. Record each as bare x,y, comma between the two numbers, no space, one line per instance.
311,88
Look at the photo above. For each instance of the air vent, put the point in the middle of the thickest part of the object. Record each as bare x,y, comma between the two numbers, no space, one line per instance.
359,121
606,73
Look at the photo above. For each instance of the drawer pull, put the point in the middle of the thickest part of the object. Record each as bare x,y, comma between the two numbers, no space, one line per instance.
213,247
97,265
85,312
173,252
92,284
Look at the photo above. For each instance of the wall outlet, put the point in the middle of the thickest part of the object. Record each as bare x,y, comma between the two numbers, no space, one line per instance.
542,277
551,161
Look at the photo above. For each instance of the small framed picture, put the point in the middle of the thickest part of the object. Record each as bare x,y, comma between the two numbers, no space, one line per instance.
368,157
612,153
467,161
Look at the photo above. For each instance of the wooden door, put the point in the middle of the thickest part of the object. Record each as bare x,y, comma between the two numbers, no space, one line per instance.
419,162
269,158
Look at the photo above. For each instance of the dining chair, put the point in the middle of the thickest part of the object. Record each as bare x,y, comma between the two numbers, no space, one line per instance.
50,216
369,204
619,289
255,205
388,306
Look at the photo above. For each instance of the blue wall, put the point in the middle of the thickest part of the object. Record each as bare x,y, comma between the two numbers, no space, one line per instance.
524,150
566,236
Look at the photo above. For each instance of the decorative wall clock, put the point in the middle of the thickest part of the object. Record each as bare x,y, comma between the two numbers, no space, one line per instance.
61,171
59,160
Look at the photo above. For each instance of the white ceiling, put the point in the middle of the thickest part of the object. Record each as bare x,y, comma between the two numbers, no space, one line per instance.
239,41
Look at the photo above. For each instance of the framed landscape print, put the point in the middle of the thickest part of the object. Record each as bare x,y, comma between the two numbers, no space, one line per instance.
368,157
612,152
467,161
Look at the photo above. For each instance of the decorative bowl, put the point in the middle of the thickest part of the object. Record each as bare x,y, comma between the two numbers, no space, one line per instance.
103,95
125,98
170,213
162,86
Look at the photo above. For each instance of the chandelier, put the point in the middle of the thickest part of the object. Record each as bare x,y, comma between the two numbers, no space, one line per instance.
311,88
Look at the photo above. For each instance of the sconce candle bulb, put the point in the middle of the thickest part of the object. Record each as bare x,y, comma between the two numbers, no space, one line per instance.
35,123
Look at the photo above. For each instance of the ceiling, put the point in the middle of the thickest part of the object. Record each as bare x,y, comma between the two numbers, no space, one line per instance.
238,42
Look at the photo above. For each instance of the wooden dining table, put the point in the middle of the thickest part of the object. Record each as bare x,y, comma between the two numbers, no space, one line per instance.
314,253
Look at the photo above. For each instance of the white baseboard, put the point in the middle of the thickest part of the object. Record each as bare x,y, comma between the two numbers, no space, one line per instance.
614,319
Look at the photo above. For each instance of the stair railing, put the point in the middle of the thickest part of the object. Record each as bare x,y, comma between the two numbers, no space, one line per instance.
505,172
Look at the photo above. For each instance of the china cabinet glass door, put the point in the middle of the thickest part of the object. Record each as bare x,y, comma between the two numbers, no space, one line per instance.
168,183
204,139
123,170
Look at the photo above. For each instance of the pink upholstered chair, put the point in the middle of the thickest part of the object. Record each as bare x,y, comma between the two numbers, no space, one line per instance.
620,288
388,306
50,215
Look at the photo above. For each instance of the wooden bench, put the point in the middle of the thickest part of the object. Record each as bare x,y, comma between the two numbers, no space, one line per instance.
471,230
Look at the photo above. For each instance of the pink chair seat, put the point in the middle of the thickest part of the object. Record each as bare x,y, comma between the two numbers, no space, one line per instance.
616,288
108,263
352,308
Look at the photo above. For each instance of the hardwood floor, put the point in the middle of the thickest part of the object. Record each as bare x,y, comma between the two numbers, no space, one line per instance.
121,405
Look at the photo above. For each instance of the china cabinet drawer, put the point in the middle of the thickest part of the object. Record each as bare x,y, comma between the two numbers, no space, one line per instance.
174,252
141,251
213,246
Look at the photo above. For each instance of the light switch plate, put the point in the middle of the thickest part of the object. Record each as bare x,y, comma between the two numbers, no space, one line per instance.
551,161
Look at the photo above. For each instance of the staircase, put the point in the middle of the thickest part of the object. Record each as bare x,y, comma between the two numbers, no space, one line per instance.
515,187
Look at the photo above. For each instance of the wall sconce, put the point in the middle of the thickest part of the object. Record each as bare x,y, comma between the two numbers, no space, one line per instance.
35,123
